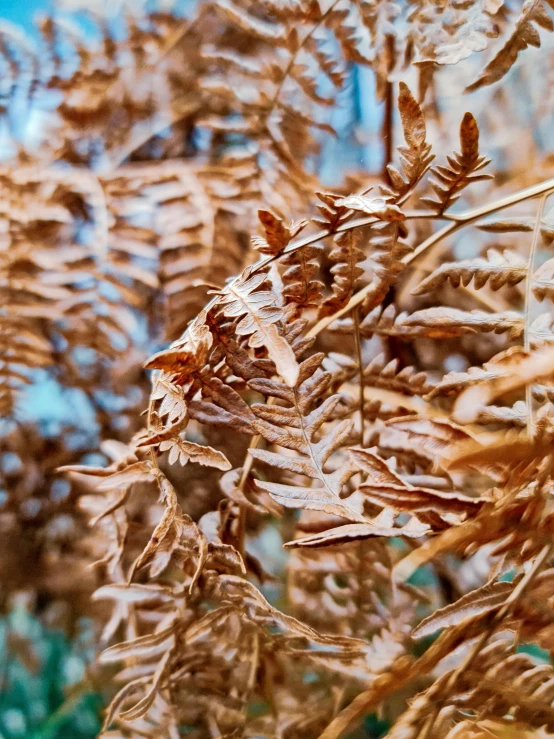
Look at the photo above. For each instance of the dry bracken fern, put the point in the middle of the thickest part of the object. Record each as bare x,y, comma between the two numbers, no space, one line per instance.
347,445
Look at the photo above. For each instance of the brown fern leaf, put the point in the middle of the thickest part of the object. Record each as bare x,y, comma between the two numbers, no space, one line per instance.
388,249
388,252
176,397
277,235
445,322
346,256
523,35
498,269
295,428
482,600
381,322
381,526
515,415
506,225
380,373
431,439
416,156
258,314
187,451
455,382
332,214
300,286
389,490
461,169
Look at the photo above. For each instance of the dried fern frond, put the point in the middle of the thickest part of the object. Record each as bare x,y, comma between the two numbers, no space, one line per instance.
523,35
415,157
461,169
329,466
498,269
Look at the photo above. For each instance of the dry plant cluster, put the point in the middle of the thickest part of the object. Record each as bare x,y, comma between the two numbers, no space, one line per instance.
363,375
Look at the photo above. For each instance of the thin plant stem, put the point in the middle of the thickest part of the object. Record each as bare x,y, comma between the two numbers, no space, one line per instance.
528,300
357,339
388,121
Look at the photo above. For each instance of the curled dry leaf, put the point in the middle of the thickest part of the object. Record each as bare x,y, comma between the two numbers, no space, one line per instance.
378,207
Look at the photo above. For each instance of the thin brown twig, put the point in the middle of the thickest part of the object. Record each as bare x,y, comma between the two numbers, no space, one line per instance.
356,316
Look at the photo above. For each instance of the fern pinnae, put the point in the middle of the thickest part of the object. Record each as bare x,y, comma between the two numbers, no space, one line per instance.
461,170
523,35
498,269
294,428
416,156
257,320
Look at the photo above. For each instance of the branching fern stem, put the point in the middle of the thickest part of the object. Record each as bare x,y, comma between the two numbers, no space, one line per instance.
457,221
288,69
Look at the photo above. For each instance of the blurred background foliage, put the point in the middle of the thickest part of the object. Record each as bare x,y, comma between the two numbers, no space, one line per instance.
44,693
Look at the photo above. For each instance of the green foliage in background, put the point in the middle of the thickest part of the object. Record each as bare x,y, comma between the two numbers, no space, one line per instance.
43,690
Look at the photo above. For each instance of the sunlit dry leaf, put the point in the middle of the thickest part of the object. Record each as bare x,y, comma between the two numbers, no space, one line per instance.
482,600
257,313
523,35
354,532
377,207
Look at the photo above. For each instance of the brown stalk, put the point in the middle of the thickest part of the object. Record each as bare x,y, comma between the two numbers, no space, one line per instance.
528,299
